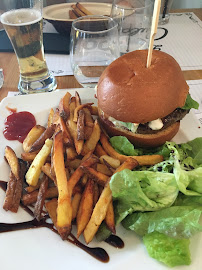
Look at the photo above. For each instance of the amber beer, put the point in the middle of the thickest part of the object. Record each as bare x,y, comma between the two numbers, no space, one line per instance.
24,28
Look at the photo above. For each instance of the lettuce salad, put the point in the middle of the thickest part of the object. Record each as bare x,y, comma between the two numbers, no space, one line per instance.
160,203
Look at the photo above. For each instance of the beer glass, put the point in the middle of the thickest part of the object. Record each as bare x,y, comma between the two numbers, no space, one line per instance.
134,20
93,46
22,20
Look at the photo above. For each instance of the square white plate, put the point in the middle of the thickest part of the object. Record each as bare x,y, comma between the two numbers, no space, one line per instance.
41,248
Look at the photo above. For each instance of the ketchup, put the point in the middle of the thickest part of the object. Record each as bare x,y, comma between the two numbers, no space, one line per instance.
18,125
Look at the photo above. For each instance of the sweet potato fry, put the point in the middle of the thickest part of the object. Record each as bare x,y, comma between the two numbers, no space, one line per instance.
41,198
32,175
91,143
32,136
47,134
85,207
98,177
75,204
12,161
142,160
101,207
109,219
64,210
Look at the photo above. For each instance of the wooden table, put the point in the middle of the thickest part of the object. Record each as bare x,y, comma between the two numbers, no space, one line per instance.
8,62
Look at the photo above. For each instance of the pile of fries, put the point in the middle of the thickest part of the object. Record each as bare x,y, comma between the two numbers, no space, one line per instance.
78,10
67,166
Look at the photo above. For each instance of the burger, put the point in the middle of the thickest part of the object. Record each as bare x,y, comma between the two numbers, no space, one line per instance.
143,104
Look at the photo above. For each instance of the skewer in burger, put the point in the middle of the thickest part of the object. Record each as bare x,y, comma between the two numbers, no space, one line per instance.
143,104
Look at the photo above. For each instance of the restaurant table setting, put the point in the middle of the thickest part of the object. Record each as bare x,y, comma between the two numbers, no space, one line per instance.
84,47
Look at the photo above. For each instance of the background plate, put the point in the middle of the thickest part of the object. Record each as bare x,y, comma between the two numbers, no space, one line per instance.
41,248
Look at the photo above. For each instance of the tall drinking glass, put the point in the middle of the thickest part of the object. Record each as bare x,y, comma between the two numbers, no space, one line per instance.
94,45
134,21
22,20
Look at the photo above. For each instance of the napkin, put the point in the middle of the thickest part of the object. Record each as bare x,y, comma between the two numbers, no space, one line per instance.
53,43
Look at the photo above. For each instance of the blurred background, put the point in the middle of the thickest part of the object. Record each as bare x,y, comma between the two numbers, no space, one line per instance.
177,4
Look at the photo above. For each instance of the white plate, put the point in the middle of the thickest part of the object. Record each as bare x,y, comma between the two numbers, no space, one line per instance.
41,248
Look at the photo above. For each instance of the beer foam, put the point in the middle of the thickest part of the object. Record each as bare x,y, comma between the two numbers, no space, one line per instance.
20,17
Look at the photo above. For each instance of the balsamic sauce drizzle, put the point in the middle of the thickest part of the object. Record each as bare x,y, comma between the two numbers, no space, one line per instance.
97,252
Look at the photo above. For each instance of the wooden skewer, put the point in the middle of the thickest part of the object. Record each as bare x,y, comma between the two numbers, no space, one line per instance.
155,20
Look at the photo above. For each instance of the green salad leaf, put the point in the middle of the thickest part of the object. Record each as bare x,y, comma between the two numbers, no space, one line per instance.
190,103
122,145
170,251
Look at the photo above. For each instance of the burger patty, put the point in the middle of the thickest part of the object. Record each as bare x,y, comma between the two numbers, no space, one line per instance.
177,115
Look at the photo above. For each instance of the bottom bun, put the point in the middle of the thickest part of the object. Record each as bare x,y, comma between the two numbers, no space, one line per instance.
143,140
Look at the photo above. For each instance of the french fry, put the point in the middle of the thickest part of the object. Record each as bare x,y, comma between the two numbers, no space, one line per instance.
31,198
75,204
83,9
91,143
32,175
29,156
109,219
71,153
85,207
94,110
73,131
75,163
101,207
30,189
88,118
102,168
64,209
77,10
78,173
46,168
96,193
41,198
32,136
56,117
87,132
51,207
64,110
77,99
72,15
80,126
98,177
142,160
99,151
47,134
50,118
78,108
12,161
66,134
113,162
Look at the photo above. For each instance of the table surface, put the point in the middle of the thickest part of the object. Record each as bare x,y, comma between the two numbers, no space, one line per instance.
8,62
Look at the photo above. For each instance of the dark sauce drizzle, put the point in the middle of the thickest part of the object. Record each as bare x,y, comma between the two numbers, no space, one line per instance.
98,253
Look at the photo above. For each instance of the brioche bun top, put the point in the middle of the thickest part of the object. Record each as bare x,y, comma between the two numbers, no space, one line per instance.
130,92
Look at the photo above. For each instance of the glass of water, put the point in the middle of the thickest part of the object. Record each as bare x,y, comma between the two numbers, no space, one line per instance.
94,45
134,23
